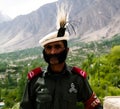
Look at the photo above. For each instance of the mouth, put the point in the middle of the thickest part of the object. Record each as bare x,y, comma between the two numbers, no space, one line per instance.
54,60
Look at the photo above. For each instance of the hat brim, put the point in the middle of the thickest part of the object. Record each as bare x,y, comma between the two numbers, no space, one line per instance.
52,37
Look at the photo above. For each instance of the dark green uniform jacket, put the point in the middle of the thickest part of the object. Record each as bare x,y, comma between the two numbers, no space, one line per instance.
48,90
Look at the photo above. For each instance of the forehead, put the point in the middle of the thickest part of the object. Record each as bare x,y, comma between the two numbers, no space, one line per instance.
54,43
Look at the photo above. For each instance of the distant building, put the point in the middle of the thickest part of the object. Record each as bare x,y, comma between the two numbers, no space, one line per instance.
111,102
1,104
2,76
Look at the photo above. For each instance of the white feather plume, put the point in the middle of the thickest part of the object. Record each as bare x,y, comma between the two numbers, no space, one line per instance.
62,15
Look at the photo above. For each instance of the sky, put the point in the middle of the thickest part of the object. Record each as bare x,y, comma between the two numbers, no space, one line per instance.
13,8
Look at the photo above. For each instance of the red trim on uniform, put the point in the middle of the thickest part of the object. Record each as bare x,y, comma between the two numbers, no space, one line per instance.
92,102
79,71
34,73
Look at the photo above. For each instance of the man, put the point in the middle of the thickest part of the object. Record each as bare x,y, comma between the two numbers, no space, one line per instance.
60,86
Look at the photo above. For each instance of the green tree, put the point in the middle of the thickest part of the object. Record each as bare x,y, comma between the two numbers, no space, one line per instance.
115,55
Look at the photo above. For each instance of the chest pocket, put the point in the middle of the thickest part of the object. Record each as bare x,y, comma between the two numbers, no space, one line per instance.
43,99
70,97
43,95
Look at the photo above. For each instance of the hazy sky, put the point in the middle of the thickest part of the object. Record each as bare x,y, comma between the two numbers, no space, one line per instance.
13,8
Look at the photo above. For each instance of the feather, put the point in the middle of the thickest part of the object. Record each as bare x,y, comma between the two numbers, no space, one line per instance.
62,15
62,19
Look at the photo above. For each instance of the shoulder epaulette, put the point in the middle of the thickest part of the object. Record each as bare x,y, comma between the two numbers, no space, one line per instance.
34,73
79,71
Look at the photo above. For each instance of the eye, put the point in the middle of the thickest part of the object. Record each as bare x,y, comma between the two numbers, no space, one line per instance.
58,46
48,47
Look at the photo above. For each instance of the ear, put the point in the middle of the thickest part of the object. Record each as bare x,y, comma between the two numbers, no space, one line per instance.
67,49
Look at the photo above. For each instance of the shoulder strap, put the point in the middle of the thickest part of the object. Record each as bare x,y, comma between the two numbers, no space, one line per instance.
79,71
34,73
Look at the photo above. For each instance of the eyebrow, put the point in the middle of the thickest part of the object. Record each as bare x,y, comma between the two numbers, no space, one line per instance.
55,45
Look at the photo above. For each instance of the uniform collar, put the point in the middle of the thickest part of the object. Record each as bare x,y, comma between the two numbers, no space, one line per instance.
66,71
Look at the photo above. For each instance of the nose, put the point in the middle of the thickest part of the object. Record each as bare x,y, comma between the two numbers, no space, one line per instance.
53,50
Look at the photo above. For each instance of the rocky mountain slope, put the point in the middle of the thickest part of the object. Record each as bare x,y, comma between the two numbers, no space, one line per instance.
92,19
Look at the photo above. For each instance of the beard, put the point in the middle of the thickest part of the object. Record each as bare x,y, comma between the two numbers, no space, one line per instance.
61,57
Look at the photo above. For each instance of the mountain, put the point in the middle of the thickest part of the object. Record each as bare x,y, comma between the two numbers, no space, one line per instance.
24,31
4,18
92,19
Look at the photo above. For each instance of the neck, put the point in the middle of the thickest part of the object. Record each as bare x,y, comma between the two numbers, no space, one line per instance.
57,67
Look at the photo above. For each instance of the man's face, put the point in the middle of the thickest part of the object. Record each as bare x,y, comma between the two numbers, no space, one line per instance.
55,52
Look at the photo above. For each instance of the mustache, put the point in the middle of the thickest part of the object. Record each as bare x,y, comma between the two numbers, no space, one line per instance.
53,55
60,56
